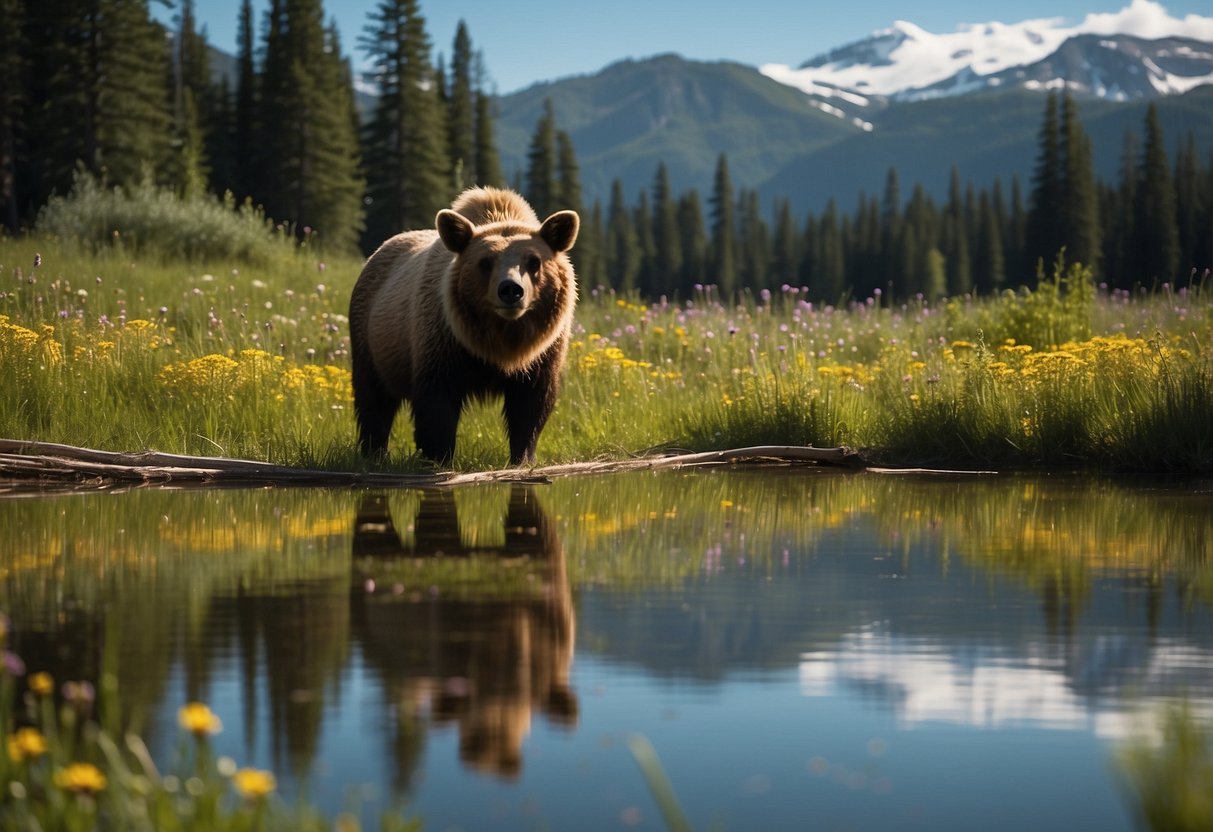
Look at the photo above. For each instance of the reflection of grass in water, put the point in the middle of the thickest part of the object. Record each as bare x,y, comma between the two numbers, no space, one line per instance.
177,549
1172,782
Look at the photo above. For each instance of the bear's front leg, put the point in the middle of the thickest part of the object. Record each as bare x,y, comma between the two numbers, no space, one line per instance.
435,421
527,407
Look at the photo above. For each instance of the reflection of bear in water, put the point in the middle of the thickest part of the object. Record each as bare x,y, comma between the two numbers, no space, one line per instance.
482,658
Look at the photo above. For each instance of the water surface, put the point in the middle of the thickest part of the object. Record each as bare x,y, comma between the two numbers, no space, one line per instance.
803,648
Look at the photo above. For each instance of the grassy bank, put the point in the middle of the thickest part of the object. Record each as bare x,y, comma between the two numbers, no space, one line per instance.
110,349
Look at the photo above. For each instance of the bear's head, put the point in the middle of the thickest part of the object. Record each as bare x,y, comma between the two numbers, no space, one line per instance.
510,288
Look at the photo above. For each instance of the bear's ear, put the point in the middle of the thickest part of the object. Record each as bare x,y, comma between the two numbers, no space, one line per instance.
455,230
559,231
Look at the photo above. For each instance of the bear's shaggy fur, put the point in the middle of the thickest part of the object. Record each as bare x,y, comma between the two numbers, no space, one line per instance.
480,305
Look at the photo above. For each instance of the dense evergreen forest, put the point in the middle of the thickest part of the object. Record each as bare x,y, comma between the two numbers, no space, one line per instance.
98,88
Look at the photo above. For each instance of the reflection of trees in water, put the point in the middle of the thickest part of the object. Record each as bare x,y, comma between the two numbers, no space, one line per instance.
482,655
305,636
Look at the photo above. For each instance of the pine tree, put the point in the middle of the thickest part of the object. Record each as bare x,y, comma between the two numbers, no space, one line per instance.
312,179
622,255
891,227
98,92
642,221
1014,239
591,270
955,240
189,166
568,175
865,267
785,256
404,140
724,243
12,109
990,271
1123,262
917,242
753,243
667,244
693,242
459,121
129,79
827,281
220,132
487,164
1044,231
541,186
54,75
1189,203
1157,235
1079,209
246,122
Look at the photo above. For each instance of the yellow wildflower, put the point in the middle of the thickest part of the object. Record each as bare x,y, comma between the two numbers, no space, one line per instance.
42,684
82,778
26,744
253,783
199,720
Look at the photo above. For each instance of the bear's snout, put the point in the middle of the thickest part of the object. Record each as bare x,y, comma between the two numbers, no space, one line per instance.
510,292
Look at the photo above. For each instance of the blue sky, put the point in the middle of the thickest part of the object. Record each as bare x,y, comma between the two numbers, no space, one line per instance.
526,41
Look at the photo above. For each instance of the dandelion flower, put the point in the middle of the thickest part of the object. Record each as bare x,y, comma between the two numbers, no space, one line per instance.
82,778
26,744
253,783
199,720
42,684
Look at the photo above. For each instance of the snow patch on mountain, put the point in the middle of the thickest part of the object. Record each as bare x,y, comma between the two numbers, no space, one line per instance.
907,57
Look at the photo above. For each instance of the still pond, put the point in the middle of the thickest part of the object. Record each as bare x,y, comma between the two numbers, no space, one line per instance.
802,648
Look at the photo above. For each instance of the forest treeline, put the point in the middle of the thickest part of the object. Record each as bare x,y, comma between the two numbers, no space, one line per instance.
100,89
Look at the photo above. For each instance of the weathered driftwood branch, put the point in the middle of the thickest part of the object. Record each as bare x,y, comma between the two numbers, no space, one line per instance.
50,462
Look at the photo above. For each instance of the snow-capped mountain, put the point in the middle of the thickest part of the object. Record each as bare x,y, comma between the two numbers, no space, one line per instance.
1139,51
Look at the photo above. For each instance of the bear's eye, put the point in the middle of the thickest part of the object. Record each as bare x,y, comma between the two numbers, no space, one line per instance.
486,266
532,265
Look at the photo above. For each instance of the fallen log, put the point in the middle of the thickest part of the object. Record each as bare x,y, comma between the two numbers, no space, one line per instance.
28,461
47,463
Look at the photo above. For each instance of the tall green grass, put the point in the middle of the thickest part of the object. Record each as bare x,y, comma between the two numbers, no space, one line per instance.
251,359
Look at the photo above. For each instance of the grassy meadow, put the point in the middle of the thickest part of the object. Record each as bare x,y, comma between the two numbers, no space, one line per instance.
120,347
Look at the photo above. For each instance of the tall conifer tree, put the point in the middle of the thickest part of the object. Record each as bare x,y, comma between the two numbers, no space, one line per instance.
785,254
990,269
1157,230
568,175
1080,230
12,108
955,242
724,241
246,117
1044,231
99,93
541,185
312,163
404,141
487,164
459,121
642,221
622,254
754,243
193,102
692,242
1189,203
667,243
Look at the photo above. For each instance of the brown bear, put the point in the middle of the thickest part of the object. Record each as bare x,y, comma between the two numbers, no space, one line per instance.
480,306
